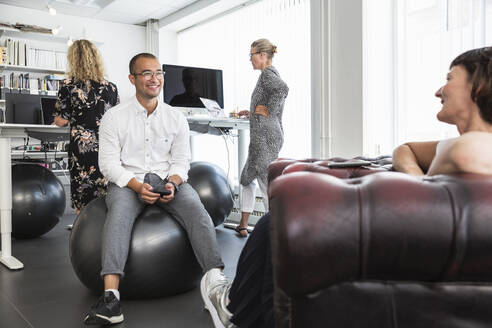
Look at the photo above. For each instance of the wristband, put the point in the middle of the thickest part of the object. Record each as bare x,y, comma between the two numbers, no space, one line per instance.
176,188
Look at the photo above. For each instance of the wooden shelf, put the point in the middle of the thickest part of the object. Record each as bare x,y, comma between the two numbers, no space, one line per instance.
31,69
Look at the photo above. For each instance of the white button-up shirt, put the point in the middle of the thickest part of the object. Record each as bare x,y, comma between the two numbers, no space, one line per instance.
132,143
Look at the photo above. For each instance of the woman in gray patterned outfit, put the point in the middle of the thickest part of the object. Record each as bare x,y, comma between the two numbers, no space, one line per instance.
266,131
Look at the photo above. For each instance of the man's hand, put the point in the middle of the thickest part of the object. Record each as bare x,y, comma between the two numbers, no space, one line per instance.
145,192
167,198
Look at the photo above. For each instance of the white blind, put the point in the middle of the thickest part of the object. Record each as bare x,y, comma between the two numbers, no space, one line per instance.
426,35
224,43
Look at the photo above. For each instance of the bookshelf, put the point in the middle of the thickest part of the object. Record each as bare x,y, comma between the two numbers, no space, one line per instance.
38,58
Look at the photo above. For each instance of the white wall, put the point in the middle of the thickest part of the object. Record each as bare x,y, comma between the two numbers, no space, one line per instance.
120,41
336,61
380,48
168,46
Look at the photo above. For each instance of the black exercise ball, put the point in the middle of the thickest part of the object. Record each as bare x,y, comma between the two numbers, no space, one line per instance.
210,182
38,200
161,261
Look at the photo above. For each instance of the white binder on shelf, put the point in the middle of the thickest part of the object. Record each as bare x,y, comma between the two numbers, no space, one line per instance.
16,53
22,53
10,49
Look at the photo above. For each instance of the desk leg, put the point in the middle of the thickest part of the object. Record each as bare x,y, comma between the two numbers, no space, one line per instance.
242,154
6,207
192,148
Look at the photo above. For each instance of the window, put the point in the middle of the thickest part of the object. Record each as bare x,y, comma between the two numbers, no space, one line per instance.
224,43
405,67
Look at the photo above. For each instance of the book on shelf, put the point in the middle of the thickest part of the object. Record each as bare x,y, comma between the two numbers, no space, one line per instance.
26,83
10,51
3,80
58,77
51,85
22,53
3,56
15,45
34,85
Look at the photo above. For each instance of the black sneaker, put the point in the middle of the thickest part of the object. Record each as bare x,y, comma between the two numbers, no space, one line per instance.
106,311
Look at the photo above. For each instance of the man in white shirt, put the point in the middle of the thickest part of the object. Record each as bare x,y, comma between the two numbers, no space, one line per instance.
143,136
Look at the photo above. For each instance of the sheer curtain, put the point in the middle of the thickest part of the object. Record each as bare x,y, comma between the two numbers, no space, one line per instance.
426,36
224,43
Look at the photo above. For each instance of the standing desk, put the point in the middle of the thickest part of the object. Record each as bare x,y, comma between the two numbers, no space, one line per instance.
8,131
200,124
54,133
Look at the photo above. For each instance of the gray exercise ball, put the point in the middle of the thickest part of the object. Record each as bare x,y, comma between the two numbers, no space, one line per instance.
38,200
160,263
210,182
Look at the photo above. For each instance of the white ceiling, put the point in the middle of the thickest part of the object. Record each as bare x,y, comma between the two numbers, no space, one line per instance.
120,11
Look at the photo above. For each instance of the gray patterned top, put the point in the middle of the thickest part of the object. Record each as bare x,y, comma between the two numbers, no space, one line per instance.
266,133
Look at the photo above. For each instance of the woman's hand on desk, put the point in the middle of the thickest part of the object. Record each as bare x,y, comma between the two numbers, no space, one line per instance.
60,121
243,113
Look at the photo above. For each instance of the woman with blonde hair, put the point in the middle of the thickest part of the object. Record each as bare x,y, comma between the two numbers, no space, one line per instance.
82,100
266,131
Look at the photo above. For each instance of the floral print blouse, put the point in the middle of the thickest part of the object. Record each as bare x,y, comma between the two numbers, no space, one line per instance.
83,103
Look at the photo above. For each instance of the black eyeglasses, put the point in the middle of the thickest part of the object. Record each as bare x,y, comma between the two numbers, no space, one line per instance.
254,53
147,75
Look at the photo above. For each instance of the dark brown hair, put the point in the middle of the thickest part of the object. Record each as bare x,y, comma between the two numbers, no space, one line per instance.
478,65
136,57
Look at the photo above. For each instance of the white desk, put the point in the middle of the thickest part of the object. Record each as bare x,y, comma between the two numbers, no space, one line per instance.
39,155
241,125
8,131
52,133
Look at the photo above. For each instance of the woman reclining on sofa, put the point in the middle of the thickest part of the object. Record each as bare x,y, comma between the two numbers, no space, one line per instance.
467,103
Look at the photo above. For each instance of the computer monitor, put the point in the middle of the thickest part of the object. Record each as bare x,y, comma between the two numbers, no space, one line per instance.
23,108
48,109
184,85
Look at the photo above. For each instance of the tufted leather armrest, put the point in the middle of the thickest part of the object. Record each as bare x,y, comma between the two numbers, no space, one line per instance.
384,226
285,165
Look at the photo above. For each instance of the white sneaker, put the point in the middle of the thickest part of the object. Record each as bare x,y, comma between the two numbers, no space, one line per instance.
215,293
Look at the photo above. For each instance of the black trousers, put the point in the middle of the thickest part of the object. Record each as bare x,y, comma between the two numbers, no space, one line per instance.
251,293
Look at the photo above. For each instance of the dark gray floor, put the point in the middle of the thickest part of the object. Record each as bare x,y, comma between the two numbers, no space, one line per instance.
46,293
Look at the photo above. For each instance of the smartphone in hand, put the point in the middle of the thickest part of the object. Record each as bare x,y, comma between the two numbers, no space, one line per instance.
164,192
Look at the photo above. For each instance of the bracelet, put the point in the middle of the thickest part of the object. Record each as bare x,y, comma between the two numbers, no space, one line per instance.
176,188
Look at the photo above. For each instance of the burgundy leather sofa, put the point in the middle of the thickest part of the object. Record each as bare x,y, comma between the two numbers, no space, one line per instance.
379,249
